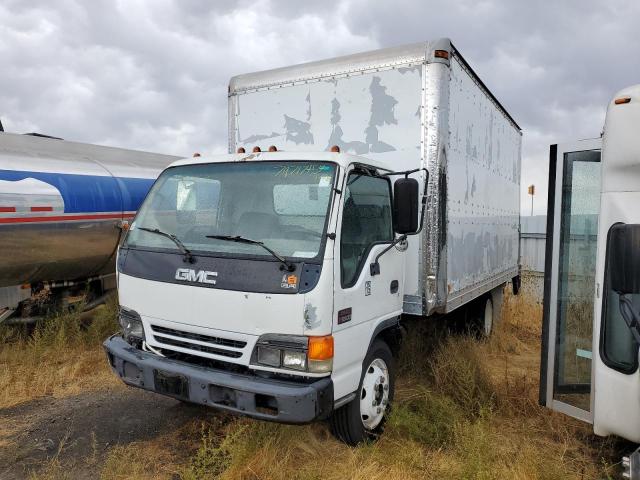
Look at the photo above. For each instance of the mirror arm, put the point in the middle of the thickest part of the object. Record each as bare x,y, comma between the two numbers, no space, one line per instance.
374,267
629,315
406,174
424,198
424,204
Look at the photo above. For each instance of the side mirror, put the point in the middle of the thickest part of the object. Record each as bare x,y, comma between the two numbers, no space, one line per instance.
624,258
405,206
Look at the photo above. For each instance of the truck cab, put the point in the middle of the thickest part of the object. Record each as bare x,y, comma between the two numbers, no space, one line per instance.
268,284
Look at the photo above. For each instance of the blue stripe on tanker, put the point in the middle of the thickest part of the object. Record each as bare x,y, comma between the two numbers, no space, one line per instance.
90,193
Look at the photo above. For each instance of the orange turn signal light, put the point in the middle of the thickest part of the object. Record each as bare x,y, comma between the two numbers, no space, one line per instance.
321,348
441,54
621,100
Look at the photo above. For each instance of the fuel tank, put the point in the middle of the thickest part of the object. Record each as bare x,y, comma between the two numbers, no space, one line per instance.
61,205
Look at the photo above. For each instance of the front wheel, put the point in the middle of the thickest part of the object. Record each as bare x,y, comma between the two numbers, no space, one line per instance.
363,418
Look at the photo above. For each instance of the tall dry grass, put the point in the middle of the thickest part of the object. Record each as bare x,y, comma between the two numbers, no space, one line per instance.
465,409
60,356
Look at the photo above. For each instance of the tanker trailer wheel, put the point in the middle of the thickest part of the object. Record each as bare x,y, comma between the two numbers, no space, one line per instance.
364,417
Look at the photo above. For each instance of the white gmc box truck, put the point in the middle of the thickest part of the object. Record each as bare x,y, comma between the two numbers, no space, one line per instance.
271,281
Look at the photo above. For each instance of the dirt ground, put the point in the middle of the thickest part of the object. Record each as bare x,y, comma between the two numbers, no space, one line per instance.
78,430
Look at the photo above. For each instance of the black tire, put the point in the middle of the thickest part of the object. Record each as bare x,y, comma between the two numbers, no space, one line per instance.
347,422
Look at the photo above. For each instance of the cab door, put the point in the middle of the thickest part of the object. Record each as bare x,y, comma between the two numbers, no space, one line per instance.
566,373
363,300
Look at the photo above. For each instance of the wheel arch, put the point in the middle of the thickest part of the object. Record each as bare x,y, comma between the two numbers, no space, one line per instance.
390,332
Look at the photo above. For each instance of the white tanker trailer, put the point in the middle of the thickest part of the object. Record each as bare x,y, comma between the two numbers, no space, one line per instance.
62,206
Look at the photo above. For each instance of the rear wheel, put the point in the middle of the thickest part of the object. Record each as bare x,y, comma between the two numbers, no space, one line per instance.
487,318
485,312
363,418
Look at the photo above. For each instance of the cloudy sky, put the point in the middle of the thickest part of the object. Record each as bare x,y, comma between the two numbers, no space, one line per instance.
153,75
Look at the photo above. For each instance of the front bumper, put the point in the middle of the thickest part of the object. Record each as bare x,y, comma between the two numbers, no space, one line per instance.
261,398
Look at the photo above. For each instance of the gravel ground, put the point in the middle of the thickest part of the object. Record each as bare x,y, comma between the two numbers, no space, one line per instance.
80,429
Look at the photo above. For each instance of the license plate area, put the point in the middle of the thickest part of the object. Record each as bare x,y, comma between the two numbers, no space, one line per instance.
171,384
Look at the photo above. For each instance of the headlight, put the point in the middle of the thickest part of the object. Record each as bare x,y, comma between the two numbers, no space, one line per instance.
131,323
294,352
269,356
292,359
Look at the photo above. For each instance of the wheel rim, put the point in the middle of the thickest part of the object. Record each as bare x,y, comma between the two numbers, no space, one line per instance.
374,395
488,318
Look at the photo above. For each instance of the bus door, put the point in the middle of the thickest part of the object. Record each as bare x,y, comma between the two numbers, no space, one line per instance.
566,373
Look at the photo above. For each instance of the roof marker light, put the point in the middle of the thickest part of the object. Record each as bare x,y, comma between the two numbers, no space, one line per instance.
335,149
241,150
273,148
256,149
196,155
441,54
622,100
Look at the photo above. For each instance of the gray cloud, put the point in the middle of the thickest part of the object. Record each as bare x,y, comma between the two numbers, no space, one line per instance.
153,75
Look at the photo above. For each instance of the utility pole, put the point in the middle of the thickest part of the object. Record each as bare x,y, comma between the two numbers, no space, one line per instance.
532,192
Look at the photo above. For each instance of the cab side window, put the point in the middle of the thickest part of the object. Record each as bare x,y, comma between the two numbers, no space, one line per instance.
366,220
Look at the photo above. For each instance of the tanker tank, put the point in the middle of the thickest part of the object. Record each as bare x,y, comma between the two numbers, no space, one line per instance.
62,206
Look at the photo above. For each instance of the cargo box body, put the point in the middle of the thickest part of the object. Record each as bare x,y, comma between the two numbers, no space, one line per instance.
408,107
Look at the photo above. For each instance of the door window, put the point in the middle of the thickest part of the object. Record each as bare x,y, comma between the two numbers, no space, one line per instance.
366,220
618,348
576,277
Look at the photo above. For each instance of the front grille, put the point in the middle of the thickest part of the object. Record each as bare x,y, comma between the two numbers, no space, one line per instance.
198,348
197,336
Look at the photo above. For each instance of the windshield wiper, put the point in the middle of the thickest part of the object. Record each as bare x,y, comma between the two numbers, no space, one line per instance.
188,257
237,238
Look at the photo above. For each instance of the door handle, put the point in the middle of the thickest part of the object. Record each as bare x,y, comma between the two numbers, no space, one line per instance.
394,286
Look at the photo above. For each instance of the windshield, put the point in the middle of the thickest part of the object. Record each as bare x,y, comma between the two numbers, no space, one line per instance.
281,204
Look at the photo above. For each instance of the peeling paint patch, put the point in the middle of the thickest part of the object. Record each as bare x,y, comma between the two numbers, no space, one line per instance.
310,316
297,131
403,70
336,133
382,113
258,137
382,104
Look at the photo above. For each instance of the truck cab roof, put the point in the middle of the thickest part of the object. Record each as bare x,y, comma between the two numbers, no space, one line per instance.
342,159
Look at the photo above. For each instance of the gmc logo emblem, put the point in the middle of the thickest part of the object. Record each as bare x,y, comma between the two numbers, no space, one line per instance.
201,276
